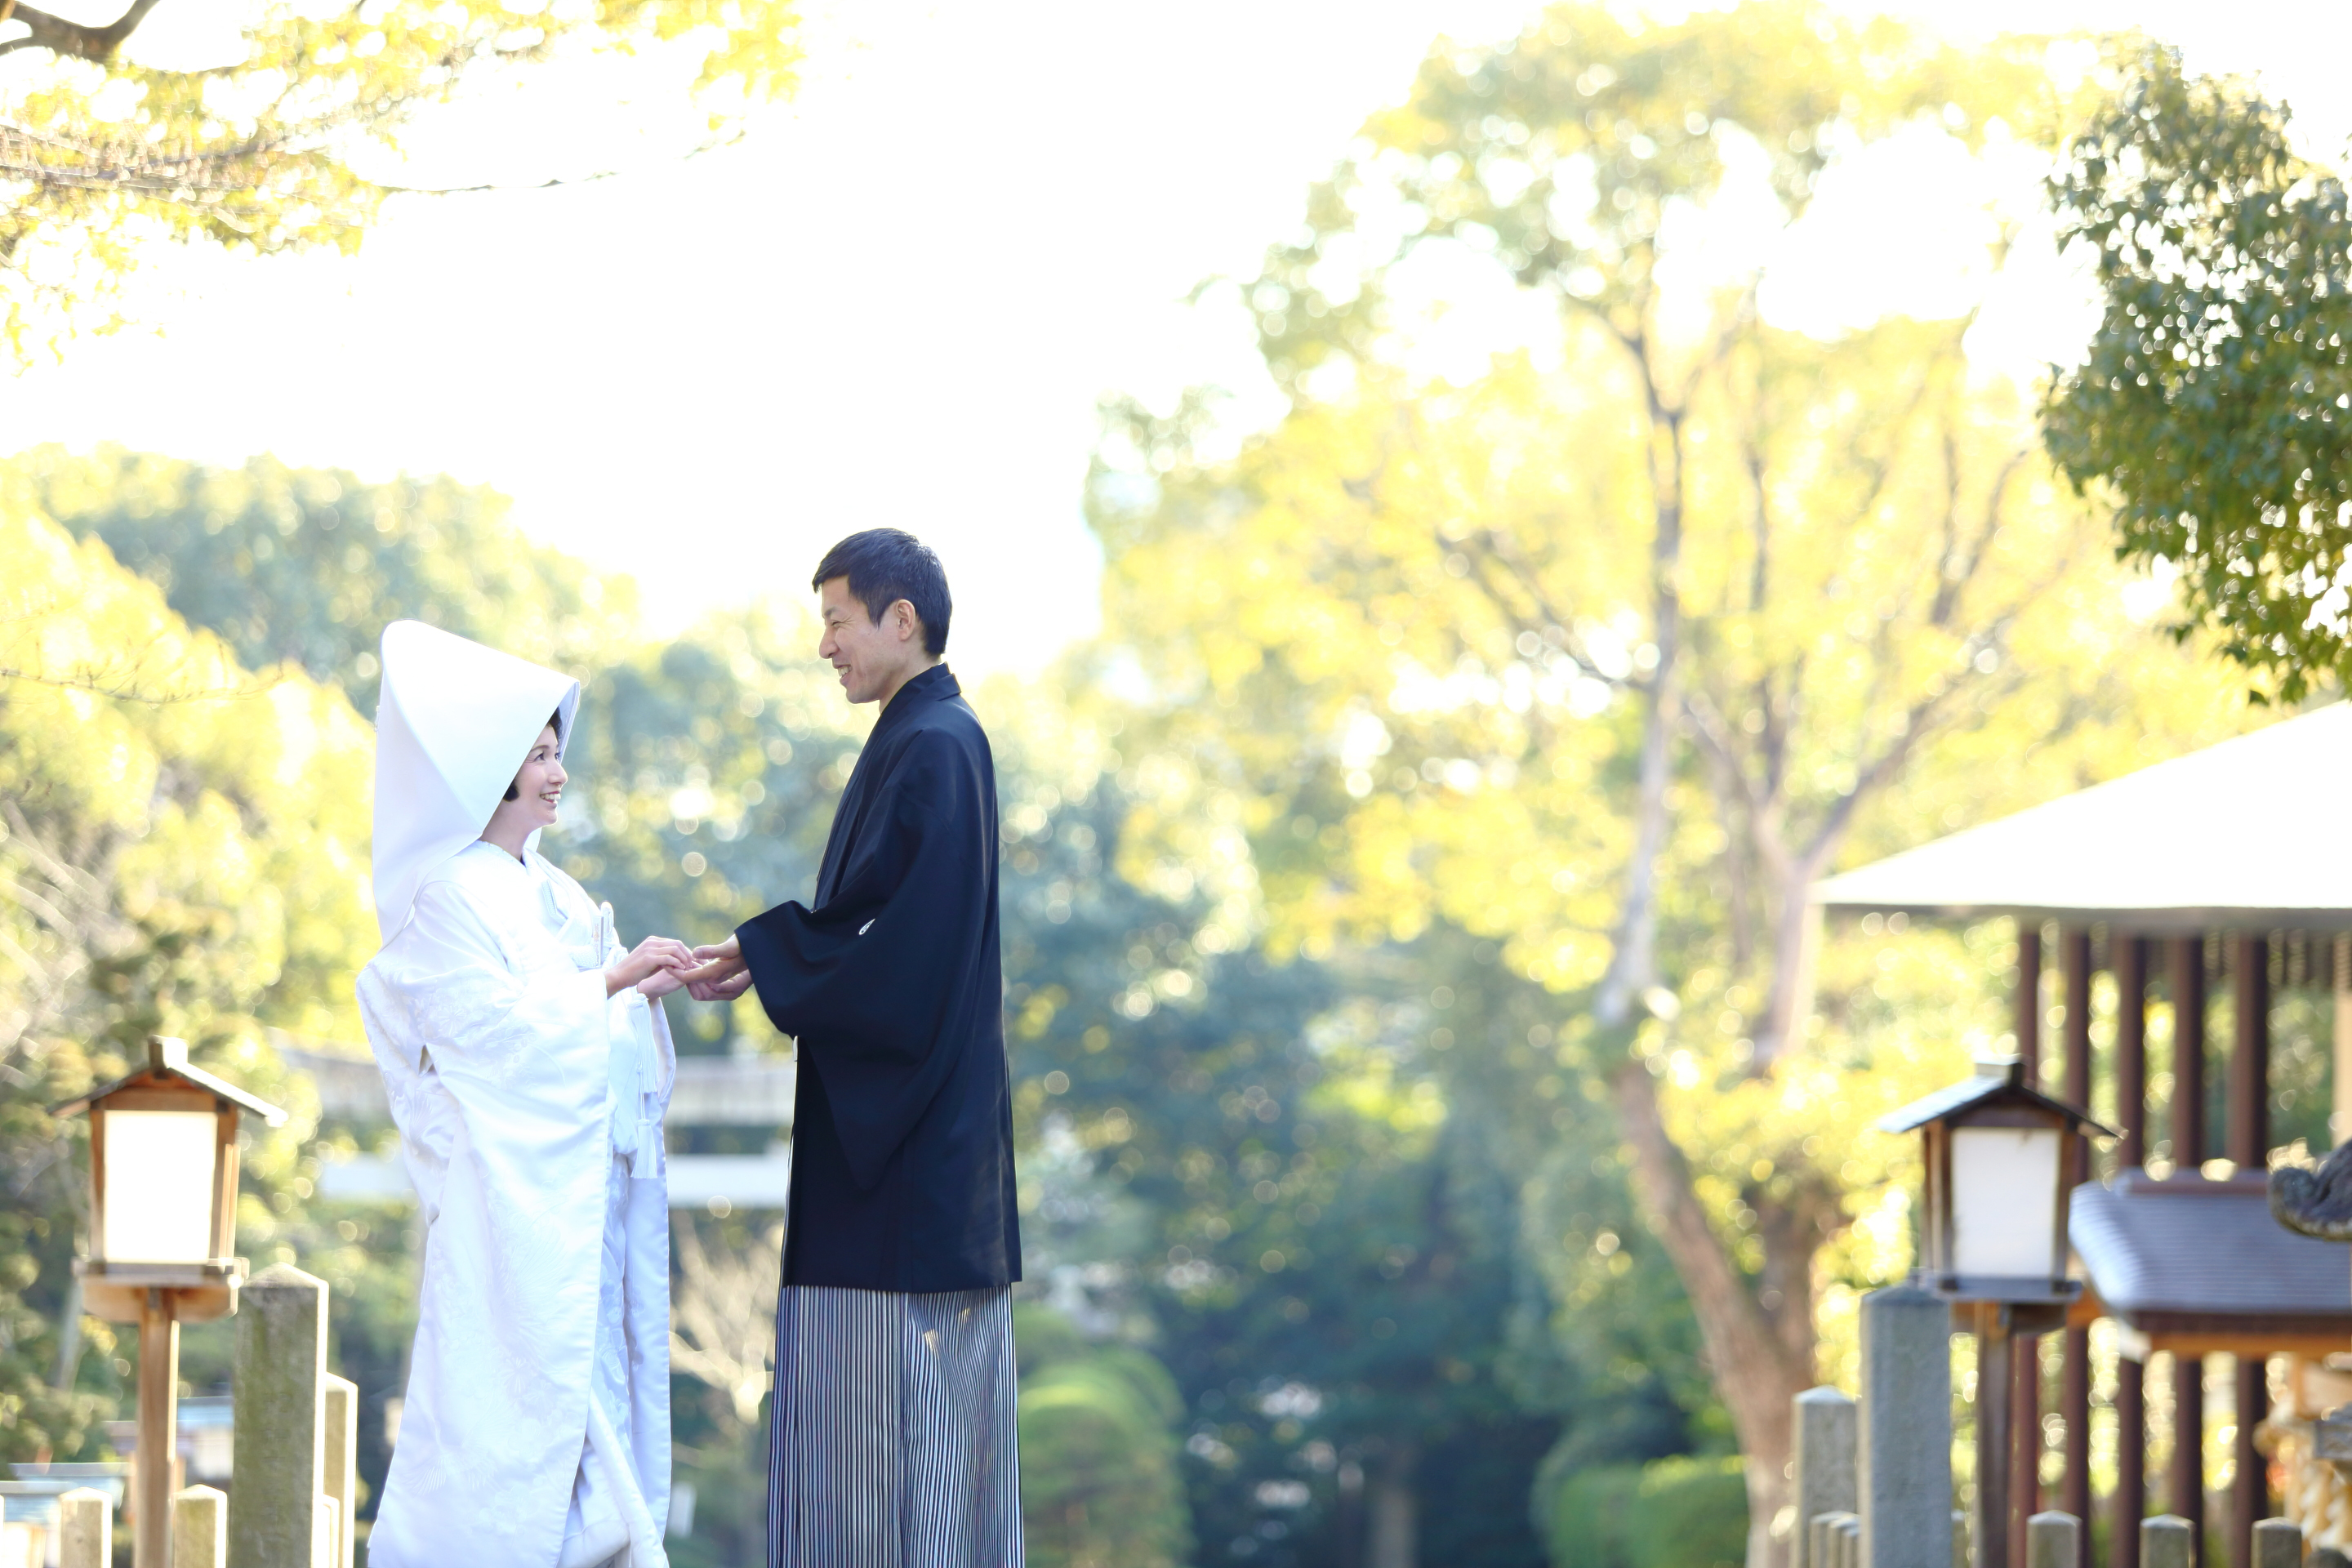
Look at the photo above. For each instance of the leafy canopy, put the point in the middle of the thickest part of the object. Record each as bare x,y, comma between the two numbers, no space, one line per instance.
2216,403
291,143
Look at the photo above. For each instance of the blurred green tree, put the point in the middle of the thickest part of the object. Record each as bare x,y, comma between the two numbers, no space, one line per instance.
1301,1194
306,566
2215,404
183,851
1607,663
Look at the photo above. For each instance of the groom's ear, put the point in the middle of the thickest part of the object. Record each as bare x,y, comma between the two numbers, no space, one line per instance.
903,621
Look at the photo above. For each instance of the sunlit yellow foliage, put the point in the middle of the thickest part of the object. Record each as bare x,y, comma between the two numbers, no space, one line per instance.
1406,642
216,822
294,142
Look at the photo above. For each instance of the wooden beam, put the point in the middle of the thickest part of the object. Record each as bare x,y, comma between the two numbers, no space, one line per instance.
2185,1481
2023,1434
2026,1001
2250,1139
2129,1506
2131,1057
2184,966
2250,1053
2075,1344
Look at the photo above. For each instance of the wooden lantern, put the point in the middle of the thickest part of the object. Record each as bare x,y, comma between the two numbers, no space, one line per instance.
2002,1161
163,1209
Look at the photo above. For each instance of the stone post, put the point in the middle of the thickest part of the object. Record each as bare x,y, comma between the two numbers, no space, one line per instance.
200,1528
2278,1543
280,1368
2052,1540
341,1422
1849,1541
1821,1539
85,1530
1904,1473
1826,1474
2168,1540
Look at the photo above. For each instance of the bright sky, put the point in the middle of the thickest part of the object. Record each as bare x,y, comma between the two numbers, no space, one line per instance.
898,299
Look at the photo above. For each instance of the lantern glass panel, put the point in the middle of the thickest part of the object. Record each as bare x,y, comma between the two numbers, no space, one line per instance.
2004,1202
158,1202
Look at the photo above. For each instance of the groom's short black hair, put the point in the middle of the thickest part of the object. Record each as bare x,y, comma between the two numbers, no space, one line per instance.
885,565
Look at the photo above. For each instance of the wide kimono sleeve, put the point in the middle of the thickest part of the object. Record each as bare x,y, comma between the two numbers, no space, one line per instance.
523,1053
880,985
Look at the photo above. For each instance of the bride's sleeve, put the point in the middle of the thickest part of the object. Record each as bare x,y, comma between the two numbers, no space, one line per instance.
481,1024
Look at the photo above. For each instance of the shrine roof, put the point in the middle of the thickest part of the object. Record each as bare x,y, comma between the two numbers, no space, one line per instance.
2187,1254
2249,834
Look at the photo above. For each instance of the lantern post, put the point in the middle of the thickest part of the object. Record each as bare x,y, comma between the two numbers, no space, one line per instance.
163,1207
2001,1166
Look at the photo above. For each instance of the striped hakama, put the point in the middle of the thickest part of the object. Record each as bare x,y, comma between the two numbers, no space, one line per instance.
892,1442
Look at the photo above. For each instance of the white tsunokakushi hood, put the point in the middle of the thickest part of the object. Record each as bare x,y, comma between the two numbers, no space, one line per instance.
455,722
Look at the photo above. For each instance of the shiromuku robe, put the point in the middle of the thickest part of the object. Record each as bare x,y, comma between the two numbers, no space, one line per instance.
891,983
536,1429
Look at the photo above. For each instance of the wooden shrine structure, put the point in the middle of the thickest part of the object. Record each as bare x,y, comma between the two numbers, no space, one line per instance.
2137,882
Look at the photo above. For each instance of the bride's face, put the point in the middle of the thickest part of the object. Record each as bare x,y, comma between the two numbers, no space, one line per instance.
538,787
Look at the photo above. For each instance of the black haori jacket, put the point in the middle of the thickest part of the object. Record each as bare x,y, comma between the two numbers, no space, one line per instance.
893,987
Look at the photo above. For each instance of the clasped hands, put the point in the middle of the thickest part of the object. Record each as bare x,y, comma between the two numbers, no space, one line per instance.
656,966
661,964
723,975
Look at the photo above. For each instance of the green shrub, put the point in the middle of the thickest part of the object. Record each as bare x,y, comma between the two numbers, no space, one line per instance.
1670,1513
1100,1485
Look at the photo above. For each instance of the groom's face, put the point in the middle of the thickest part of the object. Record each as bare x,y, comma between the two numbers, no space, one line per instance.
873,658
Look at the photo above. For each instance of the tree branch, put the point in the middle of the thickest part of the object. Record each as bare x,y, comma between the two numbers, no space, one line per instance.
74,38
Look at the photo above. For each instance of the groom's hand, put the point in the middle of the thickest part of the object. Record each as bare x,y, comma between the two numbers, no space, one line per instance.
722,976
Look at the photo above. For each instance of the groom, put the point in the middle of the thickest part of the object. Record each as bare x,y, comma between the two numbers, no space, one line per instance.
891,1434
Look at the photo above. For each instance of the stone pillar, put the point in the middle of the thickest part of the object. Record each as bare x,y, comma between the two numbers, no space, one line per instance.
1849,1541
2278,1543
1822,1538
200,1528
1904,1473
1825,1463
280,1370
2052,1540
2168,1540
85,1530
342,1424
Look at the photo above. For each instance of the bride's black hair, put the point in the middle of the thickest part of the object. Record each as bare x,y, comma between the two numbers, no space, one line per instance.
554,722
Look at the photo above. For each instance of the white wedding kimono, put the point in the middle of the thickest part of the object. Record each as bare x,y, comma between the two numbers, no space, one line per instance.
536,1430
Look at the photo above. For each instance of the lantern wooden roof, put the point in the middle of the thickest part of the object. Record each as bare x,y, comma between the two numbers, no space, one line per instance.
1997,1083
2284,864
167,1066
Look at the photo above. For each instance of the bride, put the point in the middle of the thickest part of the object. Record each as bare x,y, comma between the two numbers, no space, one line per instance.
529,1065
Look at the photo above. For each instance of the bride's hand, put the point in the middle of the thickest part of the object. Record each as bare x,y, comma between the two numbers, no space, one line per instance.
655,956
661,983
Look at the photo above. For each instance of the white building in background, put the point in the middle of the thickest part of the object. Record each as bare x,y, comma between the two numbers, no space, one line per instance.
711,1091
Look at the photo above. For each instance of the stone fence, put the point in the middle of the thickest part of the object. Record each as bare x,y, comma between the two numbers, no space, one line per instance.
1872,1475
289,1504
